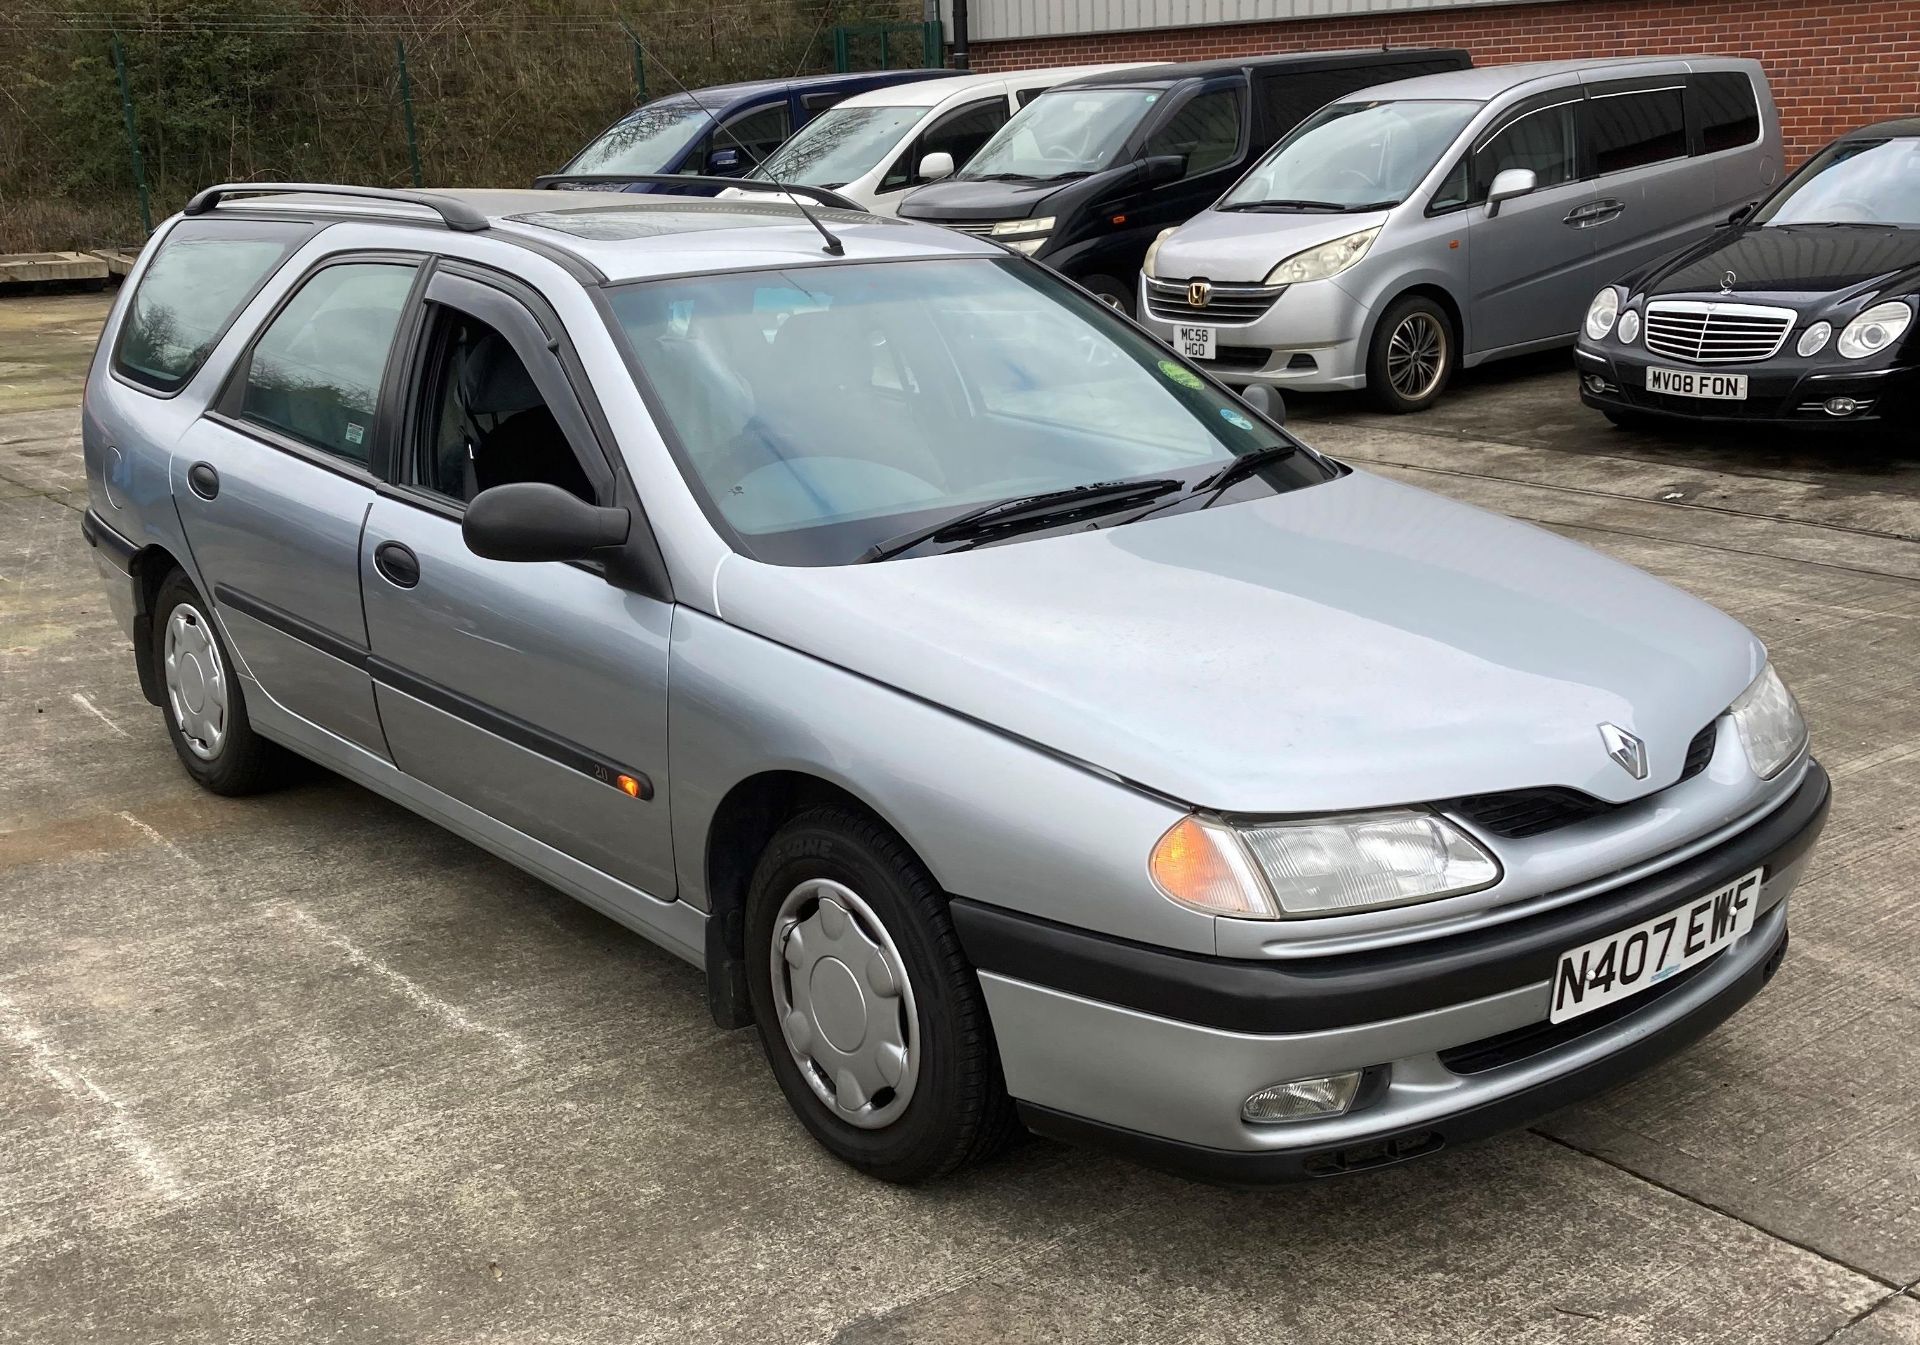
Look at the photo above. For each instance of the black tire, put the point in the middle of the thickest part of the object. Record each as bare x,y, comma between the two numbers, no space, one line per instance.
1423,321
1110,292
1628,420
958,1111
244,763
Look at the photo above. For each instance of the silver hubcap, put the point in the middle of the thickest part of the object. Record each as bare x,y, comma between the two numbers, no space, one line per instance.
1416,356
1114,301
845,1004
196,682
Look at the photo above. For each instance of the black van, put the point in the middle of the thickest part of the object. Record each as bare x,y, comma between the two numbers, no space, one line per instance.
1085,175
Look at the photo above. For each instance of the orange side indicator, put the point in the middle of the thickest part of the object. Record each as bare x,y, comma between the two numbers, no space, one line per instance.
1453,242
628,785
1119,219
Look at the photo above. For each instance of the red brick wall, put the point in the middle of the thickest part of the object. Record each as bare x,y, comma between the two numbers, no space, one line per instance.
1832,66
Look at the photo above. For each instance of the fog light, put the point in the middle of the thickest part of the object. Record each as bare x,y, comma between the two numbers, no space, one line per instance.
1302,1099
1841,406
1595,384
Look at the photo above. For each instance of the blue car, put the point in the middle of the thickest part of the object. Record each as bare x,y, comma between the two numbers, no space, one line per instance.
726,130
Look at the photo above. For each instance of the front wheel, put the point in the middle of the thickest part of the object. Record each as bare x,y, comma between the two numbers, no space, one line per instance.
1110,292
1412,357
871,1017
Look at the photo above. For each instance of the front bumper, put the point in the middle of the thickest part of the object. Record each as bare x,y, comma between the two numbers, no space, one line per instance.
1785,390
1311,338
1153,1052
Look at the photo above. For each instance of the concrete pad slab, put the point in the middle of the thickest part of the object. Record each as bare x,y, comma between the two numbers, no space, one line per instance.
21,268
1894,1322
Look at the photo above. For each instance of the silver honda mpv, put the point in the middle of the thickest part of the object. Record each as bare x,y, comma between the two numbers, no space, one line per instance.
1417,228
1015,726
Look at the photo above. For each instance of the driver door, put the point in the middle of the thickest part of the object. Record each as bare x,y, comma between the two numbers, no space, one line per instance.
1207,128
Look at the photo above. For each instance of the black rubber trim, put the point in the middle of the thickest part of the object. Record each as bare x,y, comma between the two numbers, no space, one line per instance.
1312,994
1389,1148
102,536
563,751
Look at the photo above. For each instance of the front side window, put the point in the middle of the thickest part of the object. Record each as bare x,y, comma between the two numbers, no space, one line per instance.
755,135
1064,133
823,410
961,132
315,371
1542,139
1633,128
646,140
1353,156
1205,133
1725,106
842,144
1853,182
202,275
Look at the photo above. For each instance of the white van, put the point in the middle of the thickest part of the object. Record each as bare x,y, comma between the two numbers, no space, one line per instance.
876,146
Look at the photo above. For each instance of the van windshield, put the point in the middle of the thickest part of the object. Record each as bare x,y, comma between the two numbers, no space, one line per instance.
645,141
841,144
1063,133
1353,156
820,413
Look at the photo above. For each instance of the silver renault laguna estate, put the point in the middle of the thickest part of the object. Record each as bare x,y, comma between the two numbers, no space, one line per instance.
1016,727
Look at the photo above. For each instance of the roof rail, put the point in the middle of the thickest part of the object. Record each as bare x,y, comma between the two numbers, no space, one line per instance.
456,215
833,200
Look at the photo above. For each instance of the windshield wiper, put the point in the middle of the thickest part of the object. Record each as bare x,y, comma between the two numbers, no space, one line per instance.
1022,512
1282,205
1240,469
1369,205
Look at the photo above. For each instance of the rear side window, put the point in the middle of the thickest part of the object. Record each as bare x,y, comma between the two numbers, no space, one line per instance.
1206,132
1725,110
203,275
316,370
1636,127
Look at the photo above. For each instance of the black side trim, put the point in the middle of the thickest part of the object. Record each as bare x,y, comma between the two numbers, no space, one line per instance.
1311,994
101,535
334,646
1229,1167
515,730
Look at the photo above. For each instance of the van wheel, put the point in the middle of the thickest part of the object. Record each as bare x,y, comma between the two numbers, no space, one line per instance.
871,1017
1412,358
1110,292
205,712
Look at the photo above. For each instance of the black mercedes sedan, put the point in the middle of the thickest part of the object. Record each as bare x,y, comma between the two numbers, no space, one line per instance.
1799,311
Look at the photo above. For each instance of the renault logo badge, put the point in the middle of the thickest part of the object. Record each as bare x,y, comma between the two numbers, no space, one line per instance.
1627,751
1198,292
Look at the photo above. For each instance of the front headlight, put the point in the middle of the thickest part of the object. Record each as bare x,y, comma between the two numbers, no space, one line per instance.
1629,327
1874,330
1328,259
1319,866
1770,725
1153,252
1601,312
1018,228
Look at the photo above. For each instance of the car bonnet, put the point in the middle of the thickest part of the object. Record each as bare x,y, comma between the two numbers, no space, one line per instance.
1243,247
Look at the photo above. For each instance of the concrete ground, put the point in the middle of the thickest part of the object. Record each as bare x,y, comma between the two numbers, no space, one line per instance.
305,1067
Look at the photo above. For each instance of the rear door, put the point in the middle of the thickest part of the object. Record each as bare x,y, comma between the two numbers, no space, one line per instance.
274,483
1649,197
1532,257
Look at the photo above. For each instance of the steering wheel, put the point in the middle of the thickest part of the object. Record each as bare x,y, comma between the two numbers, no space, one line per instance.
1864,211
1364,178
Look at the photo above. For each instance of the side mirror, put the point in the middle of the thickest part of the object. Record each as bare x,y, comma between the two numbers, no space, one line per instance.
1507,184
531,520
1164,168
1266,401
1741,212
723,161
935,166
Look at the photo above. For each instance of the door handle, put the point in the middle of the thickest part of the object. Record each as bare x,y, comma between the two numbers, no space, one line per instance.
398,565
1590,213
203,480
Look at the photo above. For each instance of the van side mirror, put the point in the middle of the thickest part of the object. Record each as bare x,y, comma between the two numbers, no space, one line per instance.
1740,213
531,520
935,166
1266,401
723,162
1164,168
1507,184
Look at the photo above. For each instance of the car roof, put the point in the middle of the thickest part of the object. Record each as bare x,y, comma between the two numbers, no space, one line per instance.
1305,60
706,97
1485,82
634,236
1898,126
926,93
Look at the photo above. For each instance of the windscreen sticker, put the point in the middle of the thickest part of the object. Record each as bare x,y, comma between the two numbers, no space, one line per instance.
1186,378
1235,419
355,433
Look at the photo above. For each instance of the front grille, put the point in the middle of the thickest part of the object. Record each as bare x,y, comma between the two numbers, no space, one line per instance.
1715,333
1519,813
1171,301
984,229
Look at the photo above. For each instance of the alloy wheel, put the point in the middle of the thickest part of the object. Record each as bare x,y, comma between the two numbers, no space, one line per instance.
1417,356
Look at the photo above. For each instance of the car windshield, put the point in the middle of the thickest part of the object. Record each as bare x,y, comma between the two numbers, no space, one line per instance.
1853,182
1353,156
819,412
1063,132
646,141
841,144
